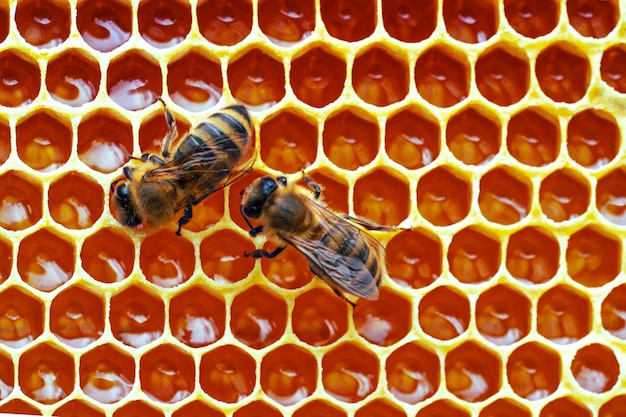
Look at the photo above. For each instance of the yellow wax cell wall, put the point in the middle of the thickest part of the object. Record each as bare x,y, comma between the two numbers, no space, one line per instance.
489,131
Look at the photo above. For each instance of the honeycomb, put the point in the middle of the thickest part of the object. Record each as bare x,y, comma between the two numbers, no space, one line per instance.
488,131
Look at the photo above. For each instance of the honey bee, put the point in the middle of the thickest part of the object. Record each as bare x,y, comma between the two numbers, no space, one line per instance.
212,155
340,253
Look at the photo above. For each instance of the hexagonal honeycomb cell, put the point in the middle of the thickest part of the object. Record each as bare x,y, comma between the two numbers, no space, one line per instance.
73,78
21,319
44,24
105,140
44,140
444,313
106,374
350,372
164,24
104,25
21,201
317,76
288,374
75,201
194,80
442,75
21,78
77,317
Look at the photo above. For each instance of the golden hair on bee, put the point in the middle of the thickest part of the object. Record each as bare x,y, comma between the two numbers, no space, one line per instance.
211,156
339,252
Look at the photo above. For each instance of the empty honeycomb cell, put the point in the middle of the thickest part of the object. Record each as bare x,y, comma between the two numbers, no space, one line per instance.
533,371
503,74
43,23
565,406
593,138
612,67
108,256
194,80
77,408
613,312
613,407
474,256
19,406
382,196
46,260
505,196
167,374
224,22
611,196
593,18
503,315
413,373
227,373
137,316
472,372
105,140
164,23
197,408
75,201
380,407
413,137
334,189
563,315
289,270
532,18
104,25
443,408
107,373
257,408
351,138
21,78
134,80
349,20
532,255
77,317
415,258
593,257
563,72
222,256
442,75
288,374
385,321
318,408
137,408
287,22
595,368
288,142
197,317
167,260
21,201
257,79
444,196
73,77
564,195
319,317
350,372
21,317
444,313
44,140
5,140
472,21
473,135
46,373
505,407
380,76
533,137
6,259
317,76
258,317
408,21
4,21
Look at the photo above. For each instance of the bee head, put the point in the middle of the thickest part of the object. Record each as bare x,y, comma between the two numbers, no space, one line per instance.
124,205
255,196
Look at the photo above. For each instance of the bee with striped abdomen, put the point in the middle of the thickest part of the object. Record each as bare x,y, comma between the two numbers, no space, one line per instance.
212,155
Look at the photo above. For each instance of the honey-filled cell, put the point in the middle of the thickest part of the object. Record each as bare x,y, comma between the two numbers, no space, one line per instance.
4,21
207,213
290,270
138,408
564,195
258,317
473,135
104,25
44,140
443,408
227,373
288,141
288,374
167,260
222,256
257,79
533,371
444,196
563,315
613,67
73,77
21,201
164,23
46,373
257,408
613,407
503,74
349,20
413,373
319,408
77,408
563,72
134,80
593,138
108,256
167,374
21,317
505,407
444,313
317,76
414,258
385,321
350,372
75,201
6,259
380,76
21,78
532,255
532,18
287,22
503,315
197,408
105,140
107,373
533,137
613,312
46,260
442,76
505,196
224,22
137,316
20,406
382,196
471,21
409,21
413,138
565,406
351,138
194,80
77,317
593,18
334,189
593,256
474,256
197,317
43,23
319,317
472,372
595,368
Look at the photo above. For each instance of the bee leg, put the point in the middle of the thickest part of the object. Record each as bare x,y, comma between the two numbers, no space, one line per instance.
260,253
340,294
369,225
313,185
187,215
171,134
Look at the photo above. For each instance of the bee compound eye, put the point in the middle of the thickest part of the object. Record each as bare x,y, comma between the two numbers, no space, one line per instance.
252,210
122,192
269,185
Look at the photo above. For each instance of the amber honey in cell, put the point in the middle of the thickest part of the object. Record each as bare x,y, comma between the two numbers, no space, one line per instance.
164,23
4,22
593,257
443,196
319,317
505,406
286,22
563,315
194,80
21,201
7,375
533,137
137,408
105,140
5,141
592,18
20,78
75,201
134,80
289,270
197,318
319,408
6,259
472,372
222,256
349,372
505,196
563,72
380,77
382,196
473,256
107,256
257,408
380,407
166,260
613,312
106,374
385,321
532,255
77,317
167,374
227,373
224,22
348,20
503,315
44,140
443,313
43,23
412,138
46,373
610,196
442,76
472,21
257,79
532,18
76,408
21,318
288,142
409,21
317,77
612,67
350,140
288,374
258,317
595,368
412,373
473,135
73,78
137,317
19,406
197,408
104,25
593,138
503,74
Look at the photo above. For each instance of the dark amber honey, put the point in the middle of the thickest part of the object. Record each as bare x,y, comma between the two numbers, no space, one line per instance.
108,256
349,372
106,374
472,21
222,256
383,197
257,79
409,21
412,138
73,78
19,406
381,408
592,18
166,260
567,405
415,258
104,24
348,20
443,196
77,317
442,76
44,140
350,140
167,373
197,317
503,74
532,255
21,318
75,201
21,78
385,321
503,315
76,408
197,408
613,312
105,140
21,201
412,373
288,374
43,23
563,315
472,372
319,317
533,137
564,195
164,23
533,371
612,67
473,135
257,408
380,77
6,259
227,373
286,22
319,408
593,138
610,196
134,80
473,256
137,316
224,22
563,72
317,76
46,373
258,317
5,140
595,368
194,80
137,408
592,257
443,407
504,197
532,18
444,313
